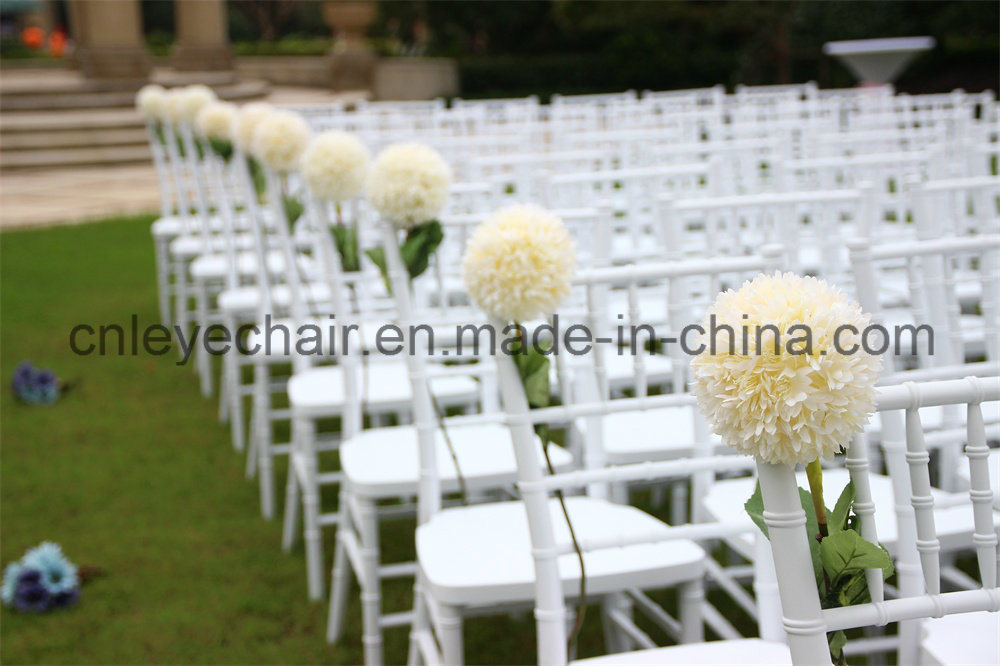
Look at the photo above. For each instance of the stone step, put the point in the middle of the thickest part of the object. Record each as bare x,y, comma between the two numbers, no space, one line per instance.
16,122
71,137
86,98
85,156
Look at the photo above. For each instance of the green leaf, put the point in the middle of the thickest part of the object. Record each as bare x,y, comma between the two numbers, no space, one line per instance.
838,640
377,255
293,208
222,148
345,237
854,590
755,509
533,366
257,176
846,551
416,251
837,519
420,244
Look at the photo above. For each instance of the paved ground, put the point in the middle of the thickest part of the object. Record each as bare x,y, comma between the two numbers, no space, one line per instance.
70,196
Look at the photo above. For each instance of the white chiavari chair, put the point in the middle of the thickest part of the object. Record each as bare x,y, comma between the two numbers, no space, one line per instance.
623,544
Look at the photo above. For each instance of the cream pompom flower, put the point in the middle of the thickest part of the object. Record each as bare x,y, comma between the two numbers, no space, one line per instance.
279,139
246,121
786,407
408,184
215,121
335,165
519,263
183,104
151,101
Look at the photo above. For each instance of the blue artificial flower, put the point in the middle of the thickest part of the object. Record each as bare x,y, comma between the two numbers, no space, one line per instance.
10,576
46,387
31,595
66,599
33,386
57,573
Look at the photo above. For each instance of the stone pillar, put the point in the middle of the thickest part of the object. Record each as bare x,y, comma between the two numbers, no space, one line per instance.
109,40
352,61
202,36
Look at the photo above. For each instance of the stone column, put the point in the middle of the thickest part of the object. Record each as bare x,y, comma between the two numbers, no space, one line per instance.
352,61
202,36
109,40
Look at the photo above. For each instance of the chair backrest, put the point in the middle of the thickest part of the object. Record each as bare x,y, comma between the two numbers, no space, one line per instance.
937,279
809,224
805,621
536,486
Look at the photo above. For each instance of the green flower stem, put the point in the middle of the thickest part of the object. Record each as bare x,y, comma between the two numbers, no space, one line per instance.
814,472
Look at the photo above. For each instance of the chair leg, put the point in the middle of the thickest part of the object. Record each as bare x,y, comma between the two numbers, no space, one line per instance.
452,645
678,502
371,585
421,623
232,364
265,457
304,439
340,577
692,597
615,640
181,315
161,246
290,524
203,360
223,412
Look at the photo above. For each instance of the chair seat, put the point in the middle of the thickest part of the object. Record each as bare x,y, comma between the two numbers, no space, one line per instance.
972,328
621,372
748,652
479,555
384,462
192,245
383,388
965,639
170,226
246,300
216,266
656,434
167,226
725,499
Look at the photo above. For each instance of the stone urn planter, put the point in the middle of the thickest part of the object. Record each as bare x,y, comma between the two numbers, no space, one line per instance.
352,61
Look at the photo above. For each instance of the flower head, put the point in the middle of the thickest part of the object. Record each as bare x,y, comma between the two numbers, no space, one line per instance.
279,139
31,596
151,101
408,184
334,165
519,263
183,104
10,578
246,121
796,400
57,574
215,121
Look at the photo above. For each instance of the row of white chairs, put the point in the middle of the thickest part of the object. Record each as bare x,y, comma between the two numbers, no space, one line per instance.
272,269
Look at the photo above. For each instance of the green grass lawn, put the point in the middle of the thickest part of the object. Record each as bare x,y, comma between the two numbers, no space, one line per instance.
132,473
